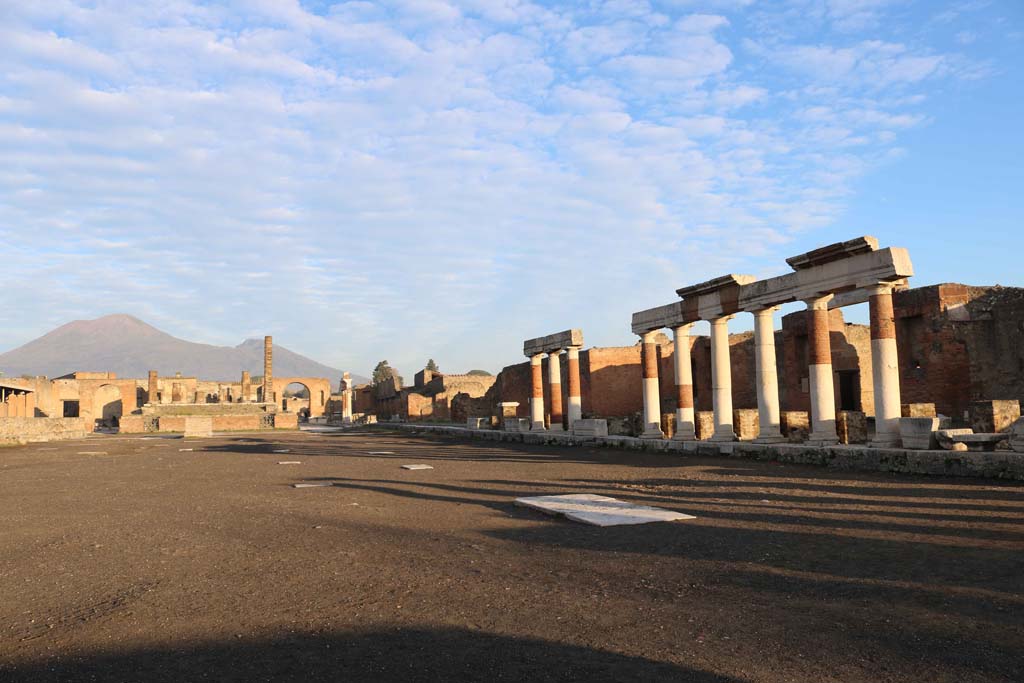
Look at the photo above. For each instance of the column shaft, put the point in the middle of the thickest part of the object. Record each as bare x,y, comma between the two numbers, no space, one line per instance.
685,419
268,369
823,397
555,382
721,380
154,387
884,368
769,415
652,397
575,395
536,393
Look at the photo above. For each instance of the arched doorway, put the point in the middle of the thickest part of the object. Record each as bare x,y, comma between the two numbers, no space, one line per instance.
295,399
107,406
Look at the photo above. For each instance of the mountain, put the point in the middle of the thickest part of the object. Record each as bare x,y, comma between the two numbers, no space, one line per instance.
131,348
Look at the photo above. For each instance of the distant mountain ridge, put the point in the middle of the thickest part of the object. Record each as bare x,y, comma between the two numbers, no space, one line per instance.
131,348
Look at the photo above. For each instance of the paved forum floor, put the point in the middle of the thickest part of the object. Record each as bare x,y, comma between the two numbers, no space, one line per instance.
149,563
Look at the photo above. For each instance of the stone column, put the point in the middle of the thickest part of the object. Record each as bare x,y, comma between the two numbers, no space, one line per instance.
652,397
268,369
246,385
721,380
885,371
769,415
154,387
536,393
575,394
685,421
555,382
823,396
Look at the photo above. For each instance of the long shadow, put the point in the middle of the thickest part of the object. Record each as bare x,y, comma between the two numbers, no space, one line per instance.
402,654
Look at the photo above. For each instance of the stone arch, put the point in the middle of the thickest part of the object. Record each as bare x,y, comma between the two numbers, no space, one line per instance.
108,405
319,389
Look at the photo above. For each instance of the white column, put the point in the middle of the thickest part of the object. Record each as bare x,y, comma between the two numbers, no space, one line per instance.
823,396
652,398
885,371
555,382
721,380
575,395
685,419
769,415
536,393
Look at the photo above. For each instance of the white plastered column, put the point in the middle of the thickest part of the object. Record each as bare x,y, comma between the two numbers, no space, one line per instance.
652,398
767,377
685,419
721,380
575,395
819,370
555,385
885,372
537,393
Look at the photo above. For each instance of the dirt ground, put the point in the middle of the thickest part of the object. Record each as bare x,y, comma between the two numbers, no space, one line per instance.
152,563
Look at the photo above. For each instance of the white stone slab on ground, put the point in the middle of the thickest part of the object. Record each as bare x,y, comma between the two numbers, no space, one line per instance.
288,462
381,452
599,510
417,467
315,484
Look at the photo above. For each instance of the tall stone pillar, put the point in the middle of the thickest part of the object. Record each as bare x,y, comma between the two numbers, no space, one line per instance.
536,393
572,360
555,382
268,369
769,415
652,394
685,422
346,399
246,386
823,397
721,380
884,367
154,388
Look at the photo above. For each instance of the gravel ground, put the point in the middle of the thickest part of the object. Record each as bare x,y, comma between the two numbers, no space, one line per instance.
140,561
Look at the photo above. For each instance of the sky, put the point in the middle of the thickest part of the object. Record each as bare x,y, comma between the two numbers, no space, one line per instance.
439,179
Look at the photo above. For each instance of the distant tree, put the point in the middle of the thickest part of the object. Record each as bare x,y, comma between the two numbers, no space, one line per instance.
432,366
384,372
483,373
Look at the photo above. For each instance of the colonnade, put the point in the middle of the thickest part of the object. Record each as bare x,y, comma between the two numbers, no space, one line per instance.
554,346
855,270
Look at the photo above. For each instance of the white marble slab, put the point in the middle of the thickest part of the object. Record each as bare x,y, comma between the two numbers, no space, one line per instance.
381,452
417,467
315,484
599,510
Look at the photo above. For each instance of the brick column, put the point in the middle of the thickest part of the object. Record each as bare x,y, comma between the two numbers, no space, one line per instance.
154,387
268,369
652,394
685,423
823,397
885,372
555,382
769,415
246,385
536,393
721,380
572,360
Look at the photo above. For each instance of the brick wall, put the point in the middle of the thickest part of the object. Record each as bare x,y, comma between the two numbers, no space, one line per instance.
35,429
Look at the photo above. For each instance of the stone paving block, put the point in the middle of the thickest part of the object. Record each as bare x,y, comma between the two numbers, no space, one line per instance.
599,510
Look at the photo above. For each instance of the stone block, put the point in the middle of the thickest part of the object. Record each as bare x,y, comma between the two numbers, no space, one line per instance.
1017,436
918,410
508,409
478,423
947,438
918,433
517,424
668,424
852,427
590,428
993,416
746,422
796,425
286,421
196,427
705,426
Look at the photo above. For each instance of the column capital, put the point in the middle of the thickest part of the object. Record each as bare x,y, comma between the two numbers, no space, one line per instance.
767,311
648,337
536,359
880,288
722,319
819,303
682,329
572,351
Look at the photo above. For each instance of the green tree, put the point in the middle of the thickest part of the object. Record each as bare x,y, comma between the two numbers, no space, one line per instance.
384,372
482,373
432,366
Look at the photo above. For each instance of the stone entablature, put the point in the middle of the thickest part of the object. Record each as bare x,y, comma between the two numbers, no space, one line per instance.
553,342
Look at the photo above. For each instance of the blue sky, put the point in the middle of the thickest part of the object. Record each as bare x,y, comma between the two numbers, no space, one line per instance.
424,178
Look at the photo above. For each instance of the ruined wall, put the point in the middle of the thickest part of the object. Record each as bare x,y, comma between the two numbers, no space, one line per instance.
20,430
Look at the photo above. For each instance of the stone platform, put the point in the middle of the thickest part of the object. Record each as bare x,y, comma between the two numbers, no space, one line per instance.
997,464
